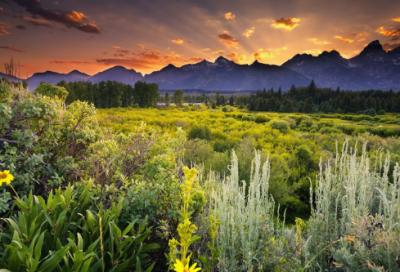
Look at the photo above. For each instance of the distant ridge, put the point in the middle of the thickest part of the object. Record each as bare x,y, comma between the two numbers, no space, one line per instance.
373,68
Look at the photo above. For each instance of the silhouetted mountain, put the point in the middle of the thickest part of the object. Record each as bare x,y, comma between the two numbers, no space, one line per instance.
373,68
223,75
118,73
54,78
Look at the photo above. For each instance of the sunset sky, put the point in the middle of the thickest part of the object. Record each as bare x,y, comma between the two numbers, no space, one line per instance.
146,35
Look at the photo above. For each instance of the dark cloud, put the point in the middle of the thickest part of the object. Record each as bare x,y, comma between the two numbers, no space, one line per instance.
21,27
287,23
70,19
12,48
228,40
388,47
3,11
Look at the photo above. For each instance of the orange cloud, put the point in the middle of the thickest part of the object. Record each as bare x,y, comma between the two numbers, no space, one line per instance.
286,23
178,41
396,19
76,17
313,51
237,58
3,30
228,40
395,33
388,47
141,46
316,41
12,48
229,16
206,49
2,11
195,59
268,53
249,32
344,39
149,60
360,37
219,52
256,56
120,50
69,62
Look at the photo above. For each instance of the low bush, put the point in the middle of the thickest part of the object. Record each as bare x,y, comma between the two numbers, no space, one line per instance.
329,130
280,125
260,119
199,132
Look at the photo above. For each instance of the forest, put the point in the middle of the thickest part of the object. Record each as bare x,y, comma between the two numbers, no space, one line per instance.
113,177
308,99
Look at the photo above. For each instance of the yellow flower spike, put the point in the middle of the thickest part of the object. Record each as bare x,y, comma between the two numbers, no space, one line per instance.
6,177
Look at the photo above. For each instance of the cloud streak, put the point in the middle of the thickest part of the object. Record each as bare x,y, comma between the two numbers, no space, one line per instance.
345,40
12,48
177,41
316,41
3,28
64,62
70,19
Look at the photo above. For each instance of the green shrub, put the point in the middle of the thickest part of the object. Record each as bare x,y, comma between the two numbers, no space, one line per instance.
322,124
66,233
280,125
41,141
347,129
303,153
329,130
223,145
359,130
199,132
246,118
260,118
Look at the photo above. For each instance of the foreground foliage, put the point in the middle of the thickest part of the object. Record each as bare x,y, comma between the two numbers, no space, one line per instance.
66,233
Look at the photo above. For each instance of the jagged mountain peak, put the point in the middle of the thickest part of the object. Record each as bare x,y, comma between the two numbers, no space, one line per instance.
375,45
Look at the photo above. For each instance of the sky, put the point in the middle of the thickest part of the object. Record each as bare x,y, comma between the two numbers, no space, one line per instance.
146,35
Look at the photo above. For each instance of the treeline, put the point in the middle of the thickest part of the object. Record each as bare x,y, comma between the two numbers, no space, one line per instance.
112,94
312,99
308,99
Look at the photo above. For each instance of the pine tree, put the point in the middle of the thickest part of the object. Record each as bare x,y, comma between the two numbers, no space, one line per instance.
167,99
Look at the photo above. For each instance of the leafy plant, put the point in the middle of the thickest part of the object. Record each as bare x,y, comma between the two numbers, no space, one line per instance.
65,233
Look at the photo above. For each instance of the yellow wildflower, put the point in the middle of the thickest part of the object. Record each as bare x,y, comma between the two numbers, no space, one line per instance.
350,239
179,267
6,177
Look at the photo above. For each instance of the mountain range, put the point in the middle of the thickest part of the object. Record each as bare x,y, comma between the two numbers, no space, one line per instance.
373,68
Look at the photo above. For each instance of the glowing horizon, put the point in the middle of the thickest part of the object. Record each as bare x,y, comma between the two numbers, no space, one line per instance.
96,35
